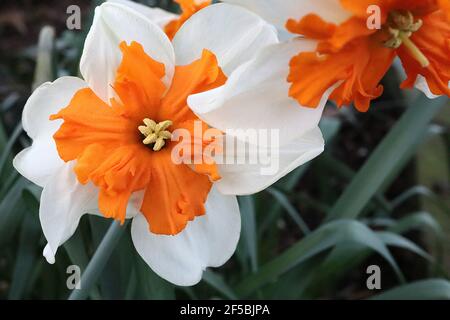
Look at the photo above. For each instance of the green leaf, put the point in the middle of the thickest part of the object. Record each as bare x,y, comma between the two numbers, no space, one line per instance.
388,158
416,221
343,258
150,285
26,256
432,289
324,238
12,209
249,235
420,191
6,151
217,282
395,240
347,256
76,251
290,209
3,136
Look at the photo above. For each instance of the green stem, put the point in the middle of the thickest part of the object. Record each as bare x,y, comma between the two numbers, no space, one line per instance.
99,260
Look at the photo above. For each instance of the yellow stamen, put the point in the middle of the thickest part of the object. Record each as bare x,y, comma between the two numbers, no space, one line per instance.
401,26
155,133
415,51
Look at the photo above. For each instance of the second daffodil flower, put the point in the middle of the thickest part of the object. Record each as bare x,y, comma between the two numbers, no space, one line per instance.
103,145
343,46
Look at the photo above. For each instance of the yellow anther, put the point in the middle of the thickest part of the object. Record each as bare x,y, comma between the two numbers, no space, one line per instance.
159,144
163,125
144,130
150,123
401,26
151,138
155,133
165,134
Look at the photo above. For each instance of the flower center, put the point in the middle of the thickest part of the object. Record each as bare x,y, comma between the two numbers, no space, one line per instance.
155,133
401,25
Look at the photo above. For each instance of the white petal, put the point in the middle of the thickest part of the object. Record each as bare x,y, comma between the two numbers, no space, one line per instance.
156,15
422,85
232,33
208,241
114,23
278,12
38,162
63,202
256,96
242,179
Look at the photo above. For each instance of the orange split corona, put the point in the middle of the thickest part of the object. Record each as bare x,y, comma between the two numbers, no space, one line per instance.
111,142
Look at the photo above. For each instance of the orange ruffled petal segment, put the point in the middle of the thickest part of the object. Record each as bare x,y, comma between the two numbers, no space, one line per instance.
349,53
433,39
108,148
188,8
445,6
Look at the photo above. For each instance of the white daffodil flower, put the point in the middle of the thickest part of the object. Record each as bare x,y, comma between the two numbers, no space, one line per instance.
350,45
103,145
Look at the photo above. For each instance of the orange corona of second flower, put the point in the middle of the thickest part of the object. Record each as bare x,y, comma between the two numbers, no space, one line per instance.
188,8
124,147
418,31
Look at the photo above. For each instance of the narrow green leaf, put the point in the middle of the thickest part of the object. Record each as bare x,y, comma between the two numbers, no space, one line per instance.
432,289
6,152
150,285
343,258
325,237
26,256
249,235
415,221
290,209
420,191
3,136
395,240
217,282
12,210
384,162
76,251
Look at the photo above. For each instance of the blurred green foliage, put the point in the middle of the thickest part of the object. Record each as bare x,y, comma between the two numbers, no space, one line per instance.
376,196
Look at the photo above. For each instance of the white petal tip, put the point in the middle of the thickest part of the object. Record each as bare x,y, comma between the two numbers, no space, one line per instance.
48,254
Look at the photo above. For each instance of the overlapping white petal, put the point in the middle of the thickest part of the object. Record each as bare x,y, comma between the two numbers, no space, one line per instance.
256,96
40,161
114,23
273,163
63,202
422,85
208,241
278,12
232,33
